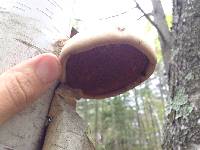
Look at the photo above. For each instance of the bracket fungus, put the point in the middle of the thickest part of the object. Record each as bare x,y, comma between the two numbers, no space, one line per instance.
101,65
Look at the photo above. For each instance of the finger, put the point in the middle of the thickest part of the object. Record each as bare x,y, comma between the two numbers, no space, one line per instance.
22,84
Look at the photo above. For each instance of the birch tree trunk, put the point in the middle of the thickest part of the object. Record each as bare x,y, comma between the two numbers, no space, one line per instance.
182,129
28,28
67,130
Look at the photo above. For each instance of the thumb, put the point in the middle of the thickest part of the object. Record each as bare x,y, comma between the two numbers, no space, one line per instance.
22,84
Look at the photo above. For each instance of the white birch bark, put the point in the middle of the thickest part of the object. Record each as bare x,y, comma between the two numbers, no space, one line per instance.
28,28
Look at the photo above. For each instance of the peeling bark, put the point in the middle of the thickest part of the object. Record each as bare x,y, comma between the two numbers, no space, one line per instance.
67,130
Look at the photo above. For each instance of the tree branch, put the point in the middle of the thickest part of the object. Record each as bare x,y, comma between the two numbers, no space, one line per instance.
149,14
110,17
150,20
117,15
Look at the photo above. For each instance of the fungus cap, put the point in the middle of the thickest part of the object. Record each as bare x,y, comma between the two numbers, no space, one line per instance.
101,65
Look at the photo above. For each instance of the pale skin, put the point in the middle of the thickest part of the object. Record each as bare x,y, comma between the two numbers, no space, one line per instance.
24,83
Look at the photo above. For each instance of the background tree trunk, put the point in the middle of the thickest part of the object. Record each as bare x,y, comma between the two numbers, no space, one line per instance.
182,129
140,127
28,28
96,124
160,24
165,36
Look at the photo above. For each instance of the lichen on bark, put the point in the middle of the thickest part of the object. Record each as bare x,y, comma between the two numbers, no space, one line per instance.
180,105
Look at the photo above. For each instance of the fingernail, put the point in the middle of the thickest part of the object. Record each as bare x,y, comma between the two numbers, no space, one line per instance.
48,68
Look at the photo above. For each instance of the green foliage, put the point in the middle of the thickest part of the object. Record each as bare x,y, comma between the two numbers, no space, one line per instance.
158,51
123,126
169,21
148,27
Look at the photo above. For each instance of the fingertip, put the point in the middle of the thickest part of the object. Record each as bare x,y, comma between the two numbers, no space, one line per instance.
48,68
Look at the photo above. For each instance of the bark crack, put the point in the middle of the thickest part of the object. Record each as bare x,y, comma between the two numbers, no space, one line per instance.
31,45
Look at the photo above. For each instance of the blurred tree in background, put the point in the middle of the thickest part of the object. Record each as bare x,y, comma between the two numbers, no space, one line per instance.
131,121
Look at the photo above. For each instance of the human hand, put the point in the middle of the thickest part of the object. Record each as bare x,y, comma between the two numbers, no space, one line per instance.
25,82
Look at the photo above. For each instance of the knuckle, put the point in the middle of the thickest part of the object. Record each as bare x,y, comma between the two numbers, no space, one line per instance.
18,88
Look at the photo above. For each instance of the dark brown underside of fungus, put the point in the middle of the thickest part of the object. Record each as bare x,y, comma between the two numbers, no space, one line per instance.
105,69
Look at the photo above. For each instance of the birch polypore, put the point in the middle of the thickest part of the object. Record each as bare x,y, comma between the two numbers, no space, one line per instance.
105,64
